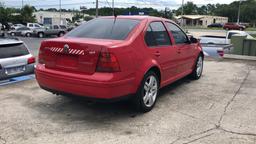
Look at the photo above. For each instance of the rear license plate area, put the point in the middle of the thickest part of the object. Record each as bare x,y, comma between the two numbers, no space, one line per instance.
15,70
67,61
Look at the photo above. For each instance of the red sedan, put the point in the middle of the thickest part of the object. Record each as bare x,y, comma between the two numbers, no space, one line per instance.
113,57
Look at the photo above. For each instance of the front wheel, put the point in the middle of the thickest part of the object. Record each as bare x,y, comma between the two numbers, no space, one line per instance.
147,93
198,68
28,34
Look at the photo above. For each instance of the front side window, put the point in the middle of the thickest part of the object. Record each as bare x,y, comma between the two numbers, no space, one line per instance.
157,35
178,35
105,28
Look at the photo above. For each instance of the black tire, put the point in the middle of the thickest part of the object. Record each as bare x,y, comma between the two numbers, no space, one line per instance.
40,35
138,99
12,34
28,34
61,34
195,75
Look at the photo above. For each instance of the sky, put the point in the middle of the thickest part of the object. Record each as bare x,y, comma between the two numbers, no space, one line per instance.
75,4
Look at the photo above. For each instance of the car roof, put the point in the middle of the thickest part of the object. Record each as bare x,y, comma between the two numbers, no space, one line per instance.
7,41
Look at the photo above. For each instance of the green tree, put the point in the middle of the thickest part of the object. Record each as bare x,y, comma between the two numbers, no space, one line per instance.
27,14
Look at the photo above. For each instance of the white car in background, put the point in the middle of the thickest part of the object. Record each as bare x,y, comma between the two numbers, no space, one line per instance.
33,26
15,59
16,26
22,31
223,40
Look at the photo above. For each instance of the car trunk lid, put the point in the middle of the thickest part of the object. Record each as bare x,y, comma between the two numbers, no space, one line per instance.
73,55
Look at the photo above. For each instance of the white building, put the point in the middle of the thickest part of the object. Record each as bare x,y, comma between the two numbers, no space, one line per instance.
200,20
53,18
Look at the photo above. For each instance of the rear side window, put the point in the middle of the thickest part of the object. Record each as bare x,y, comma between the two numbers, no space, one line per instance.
157,35
105,28
13,50
55,27
178,35
63,27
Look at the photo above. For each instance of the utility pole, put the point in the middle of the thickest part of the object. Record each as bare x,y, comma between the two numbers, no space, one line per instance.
238,15
113,6
97,8
182,12
22,4
60,11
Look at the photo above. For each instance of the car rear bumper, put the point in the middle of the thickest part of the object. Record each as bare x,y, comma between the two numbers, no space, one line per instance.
29,69
83,85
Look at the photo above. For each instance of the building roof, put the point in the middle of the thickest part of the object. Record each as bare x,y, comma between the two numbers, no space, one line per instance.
195,16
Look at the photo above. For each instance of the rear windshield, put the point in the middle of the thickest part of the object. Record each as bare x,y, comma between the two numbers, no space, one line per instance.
105,28
13,50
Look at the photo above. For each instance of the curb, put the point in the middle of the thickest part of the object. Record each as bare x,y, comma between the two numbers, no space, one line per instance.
239,57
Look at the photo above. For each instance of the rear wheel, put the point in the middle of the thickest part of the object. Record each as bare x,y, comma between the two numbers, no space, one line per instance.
12,34
40,35
146,95
61,34
198,69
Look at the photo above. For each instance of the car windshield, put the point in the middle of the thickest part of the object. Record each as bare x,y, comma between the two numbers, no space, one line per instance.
105,28
13,50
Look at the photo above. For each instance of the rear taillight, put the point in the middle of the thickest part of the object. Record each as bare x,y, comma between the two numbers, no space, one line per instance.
107,63
40,56
31,60
220,52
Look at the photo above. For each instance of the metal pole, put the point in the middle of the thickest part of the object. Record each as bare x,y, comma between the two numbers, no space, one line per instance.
182,12
238,15
22,4
97,8
60,12
113,6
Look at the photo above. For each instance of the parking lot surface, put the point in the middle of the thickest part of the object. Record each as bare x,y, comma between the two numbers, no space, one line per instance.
218,108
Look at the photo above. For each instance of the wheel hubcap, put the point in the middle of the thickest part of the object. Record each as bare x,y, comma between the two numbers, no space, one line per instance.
150,91
199,66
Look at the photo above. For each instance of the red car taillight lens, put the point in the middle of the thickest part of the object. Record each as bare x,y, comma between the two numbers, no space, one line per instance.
31,60
40,56
107,63
220,52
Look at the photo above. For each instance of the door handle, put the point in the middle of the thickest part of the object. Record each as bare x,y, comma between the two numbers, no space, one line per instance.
157,54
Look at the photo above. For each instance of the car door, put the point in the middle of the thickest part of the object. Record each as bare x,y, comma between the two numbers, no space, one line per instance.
160,46
55,30
185,49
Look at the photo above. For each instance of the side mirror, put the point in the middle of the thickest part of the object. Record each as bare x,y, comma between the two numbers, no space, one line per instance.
193,40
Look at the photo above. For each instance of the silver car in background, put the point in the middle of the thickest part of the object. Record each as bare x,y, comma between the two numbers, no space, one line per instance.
15,59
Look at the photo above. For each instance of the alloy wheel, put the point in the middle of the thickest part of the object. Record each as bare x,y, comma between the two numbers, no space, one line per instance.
150,91
199,66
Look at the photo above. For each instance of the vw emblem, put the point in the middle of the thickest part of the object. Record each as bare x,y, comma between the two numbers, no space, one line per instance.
66,48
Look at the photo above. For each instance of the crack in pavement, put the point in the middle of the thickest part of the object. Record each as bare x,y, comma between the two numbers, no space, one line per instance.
234,96
218,125
199,138
193,135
